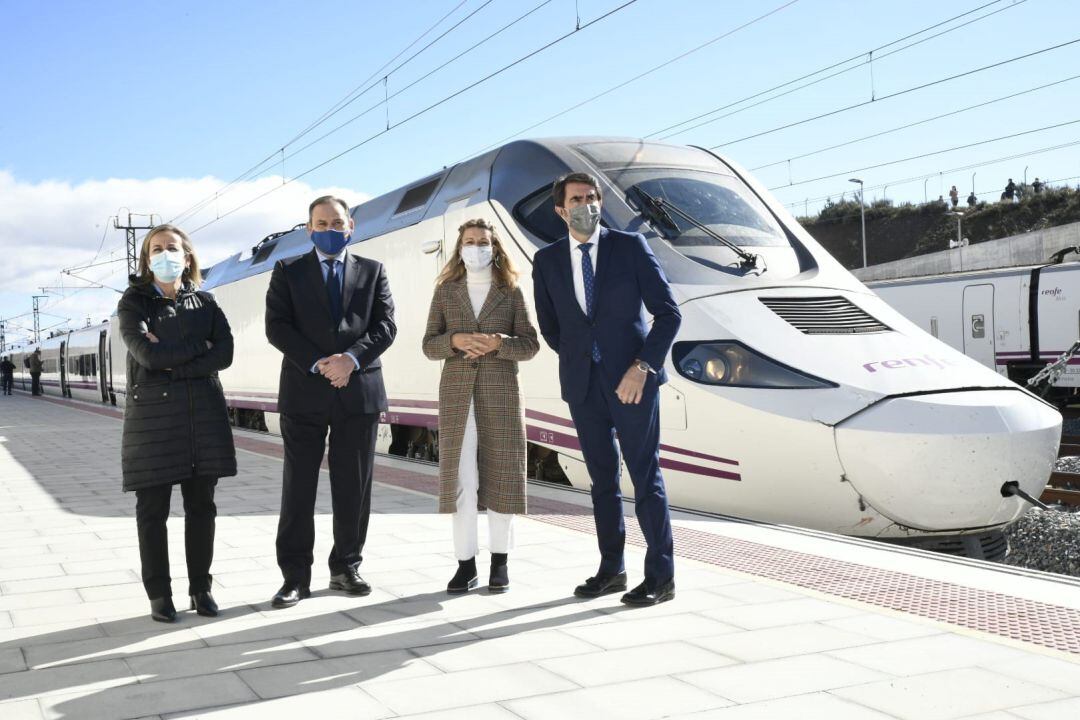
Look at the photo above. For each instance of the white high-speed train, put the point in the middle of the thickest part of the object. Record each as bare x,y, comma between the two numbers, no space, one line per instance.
796,395
1013,320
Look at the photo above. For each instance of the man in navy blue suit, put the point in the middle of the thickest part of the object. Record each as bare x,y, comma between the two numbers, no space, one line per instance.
589,290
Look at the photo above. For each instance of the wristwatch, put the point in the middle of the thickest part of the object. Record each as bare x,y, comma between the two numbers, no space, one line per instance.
644,367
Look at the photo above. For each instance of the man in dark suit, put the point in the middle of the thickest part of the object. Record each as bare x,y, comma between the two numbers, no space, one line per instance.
330,313
589,289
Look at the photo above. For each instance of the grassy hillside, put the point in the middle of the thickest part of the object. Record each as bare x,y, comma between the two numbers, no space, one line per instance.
895,232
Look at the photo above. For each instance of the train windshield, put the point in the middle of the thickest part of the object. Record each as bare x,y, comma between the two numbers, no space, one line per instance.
712,199
702,187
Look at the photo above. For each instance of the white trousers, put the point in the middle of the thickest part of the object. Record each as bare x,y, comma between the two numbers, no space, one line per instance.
500,525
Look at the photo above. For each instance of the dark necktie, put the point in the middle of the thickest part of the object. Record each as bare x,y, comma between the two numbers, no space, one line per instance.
333,291
590,289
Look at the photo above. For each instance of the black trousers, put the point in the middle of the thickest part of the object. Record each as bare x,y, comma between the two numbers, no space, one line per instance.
351,461
151,512
35,383
9,383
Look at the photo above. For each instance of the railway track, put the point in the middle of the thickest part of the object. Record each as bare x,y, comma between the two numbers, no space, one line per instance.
1064,487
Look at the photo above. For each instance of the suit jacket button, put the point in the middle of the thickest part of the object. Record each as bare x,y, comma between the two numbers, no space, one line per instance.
476,363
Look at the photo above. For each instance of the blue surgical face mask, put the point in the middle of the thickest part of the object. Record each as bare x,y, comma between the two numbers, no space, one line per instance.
330,242
167,265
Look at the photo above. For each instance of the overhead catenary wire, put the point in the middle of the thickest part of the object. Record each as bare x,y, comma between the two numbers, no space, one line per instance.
875,166
337,107
634,79
865,56
913,124
940,173
898,93
386,100
425,110
378,75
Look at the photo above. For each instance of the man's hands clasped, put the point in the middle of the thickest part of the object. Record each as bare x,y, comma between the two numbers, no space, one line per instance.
337,369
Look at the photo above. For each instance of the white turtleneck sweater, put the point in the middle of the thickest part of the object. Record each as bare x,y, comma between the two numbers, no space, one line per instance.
478,283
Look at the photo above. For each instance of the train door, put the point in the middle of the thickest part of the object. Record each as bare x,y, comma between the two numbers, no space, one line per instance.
102,377
64,390
979,324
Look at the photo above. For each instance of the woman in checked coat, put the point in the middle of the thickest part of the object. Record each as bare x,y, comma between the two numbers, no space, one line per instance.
480,327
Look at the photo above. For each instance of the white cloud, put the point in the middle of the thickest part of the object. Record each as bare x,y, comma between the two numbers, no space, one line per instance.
48,226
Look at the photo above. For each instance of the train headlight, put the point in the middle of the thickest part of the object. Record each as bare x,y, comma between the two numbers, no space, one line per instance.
730,363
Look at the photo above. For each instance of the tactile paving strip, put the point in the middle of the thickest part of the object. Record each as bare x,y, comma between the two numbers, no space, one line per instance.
986,611
1050,626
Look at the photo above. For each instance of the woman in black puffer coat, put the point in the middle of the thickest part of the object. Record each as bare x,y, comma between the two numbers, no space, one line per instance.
176,426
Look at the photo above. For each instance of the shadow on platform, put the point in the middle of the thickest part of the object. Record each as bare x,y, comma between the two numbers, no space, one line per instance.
317,666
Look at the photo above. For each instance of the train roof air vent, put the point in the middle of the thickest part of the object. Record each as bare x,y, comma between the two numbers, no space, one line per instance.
825,315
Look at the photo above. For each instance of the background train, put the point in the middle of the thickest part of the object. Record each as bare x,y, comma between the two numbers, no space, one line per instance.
1012,320
797,395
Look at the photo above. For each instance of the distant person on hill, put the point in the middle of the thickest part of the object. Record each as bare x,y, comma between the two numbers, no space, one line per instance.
954,196
1037,186
1010,190
972,200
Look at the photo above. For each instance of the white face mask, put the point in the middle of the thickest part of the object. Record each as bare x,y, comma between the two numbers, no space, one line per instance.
476,257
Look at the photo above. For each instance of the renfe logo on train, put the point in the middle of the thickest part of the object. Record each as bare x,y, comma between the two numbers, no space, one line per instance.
924,361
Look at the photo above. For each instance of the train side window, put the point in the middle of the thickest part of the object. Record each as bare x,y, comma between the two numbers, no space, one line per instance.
264,252
933,326
417,197
537,214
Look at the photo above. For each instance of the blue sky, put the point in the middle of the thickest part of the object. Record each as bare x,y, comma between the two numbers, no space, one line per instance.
153,105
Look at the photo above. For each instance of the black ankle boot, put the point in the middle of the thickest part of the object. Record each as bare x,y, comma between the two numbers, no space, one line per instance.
499,580
464,579
162,610
203,603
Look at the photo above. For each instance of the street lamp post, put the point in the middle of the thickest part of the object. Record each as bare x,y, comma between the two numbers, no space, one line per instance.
959,239
862,216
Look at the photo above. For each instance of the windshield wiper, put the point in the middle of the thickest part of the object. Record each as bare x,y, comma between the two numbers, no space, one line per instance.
657,209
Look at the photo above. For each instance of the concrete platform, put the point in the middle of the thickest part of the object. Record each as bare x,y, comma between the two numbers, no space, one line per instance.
768,622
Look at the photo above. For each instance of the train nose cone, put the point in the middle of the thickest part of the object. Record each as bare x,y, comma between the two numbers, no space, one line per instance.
938,461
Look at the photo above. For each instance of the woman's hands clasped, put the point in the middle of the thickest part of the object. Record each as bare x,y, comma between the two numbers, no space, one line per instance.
475,345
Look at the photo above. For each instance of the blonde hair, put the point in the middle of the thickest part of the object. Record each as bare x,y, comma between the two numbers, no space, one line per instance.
191,273
502,267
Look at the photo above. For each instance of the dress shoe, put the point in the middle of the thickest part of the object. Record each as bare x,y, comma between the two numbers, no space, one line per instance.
499,579
464,579
643,596
290,594
203,603
350,582
162,610
602,584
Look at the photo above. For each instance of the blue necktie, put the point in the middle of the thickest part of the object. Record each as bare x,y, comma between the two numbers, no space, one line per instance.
333,291
590,290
